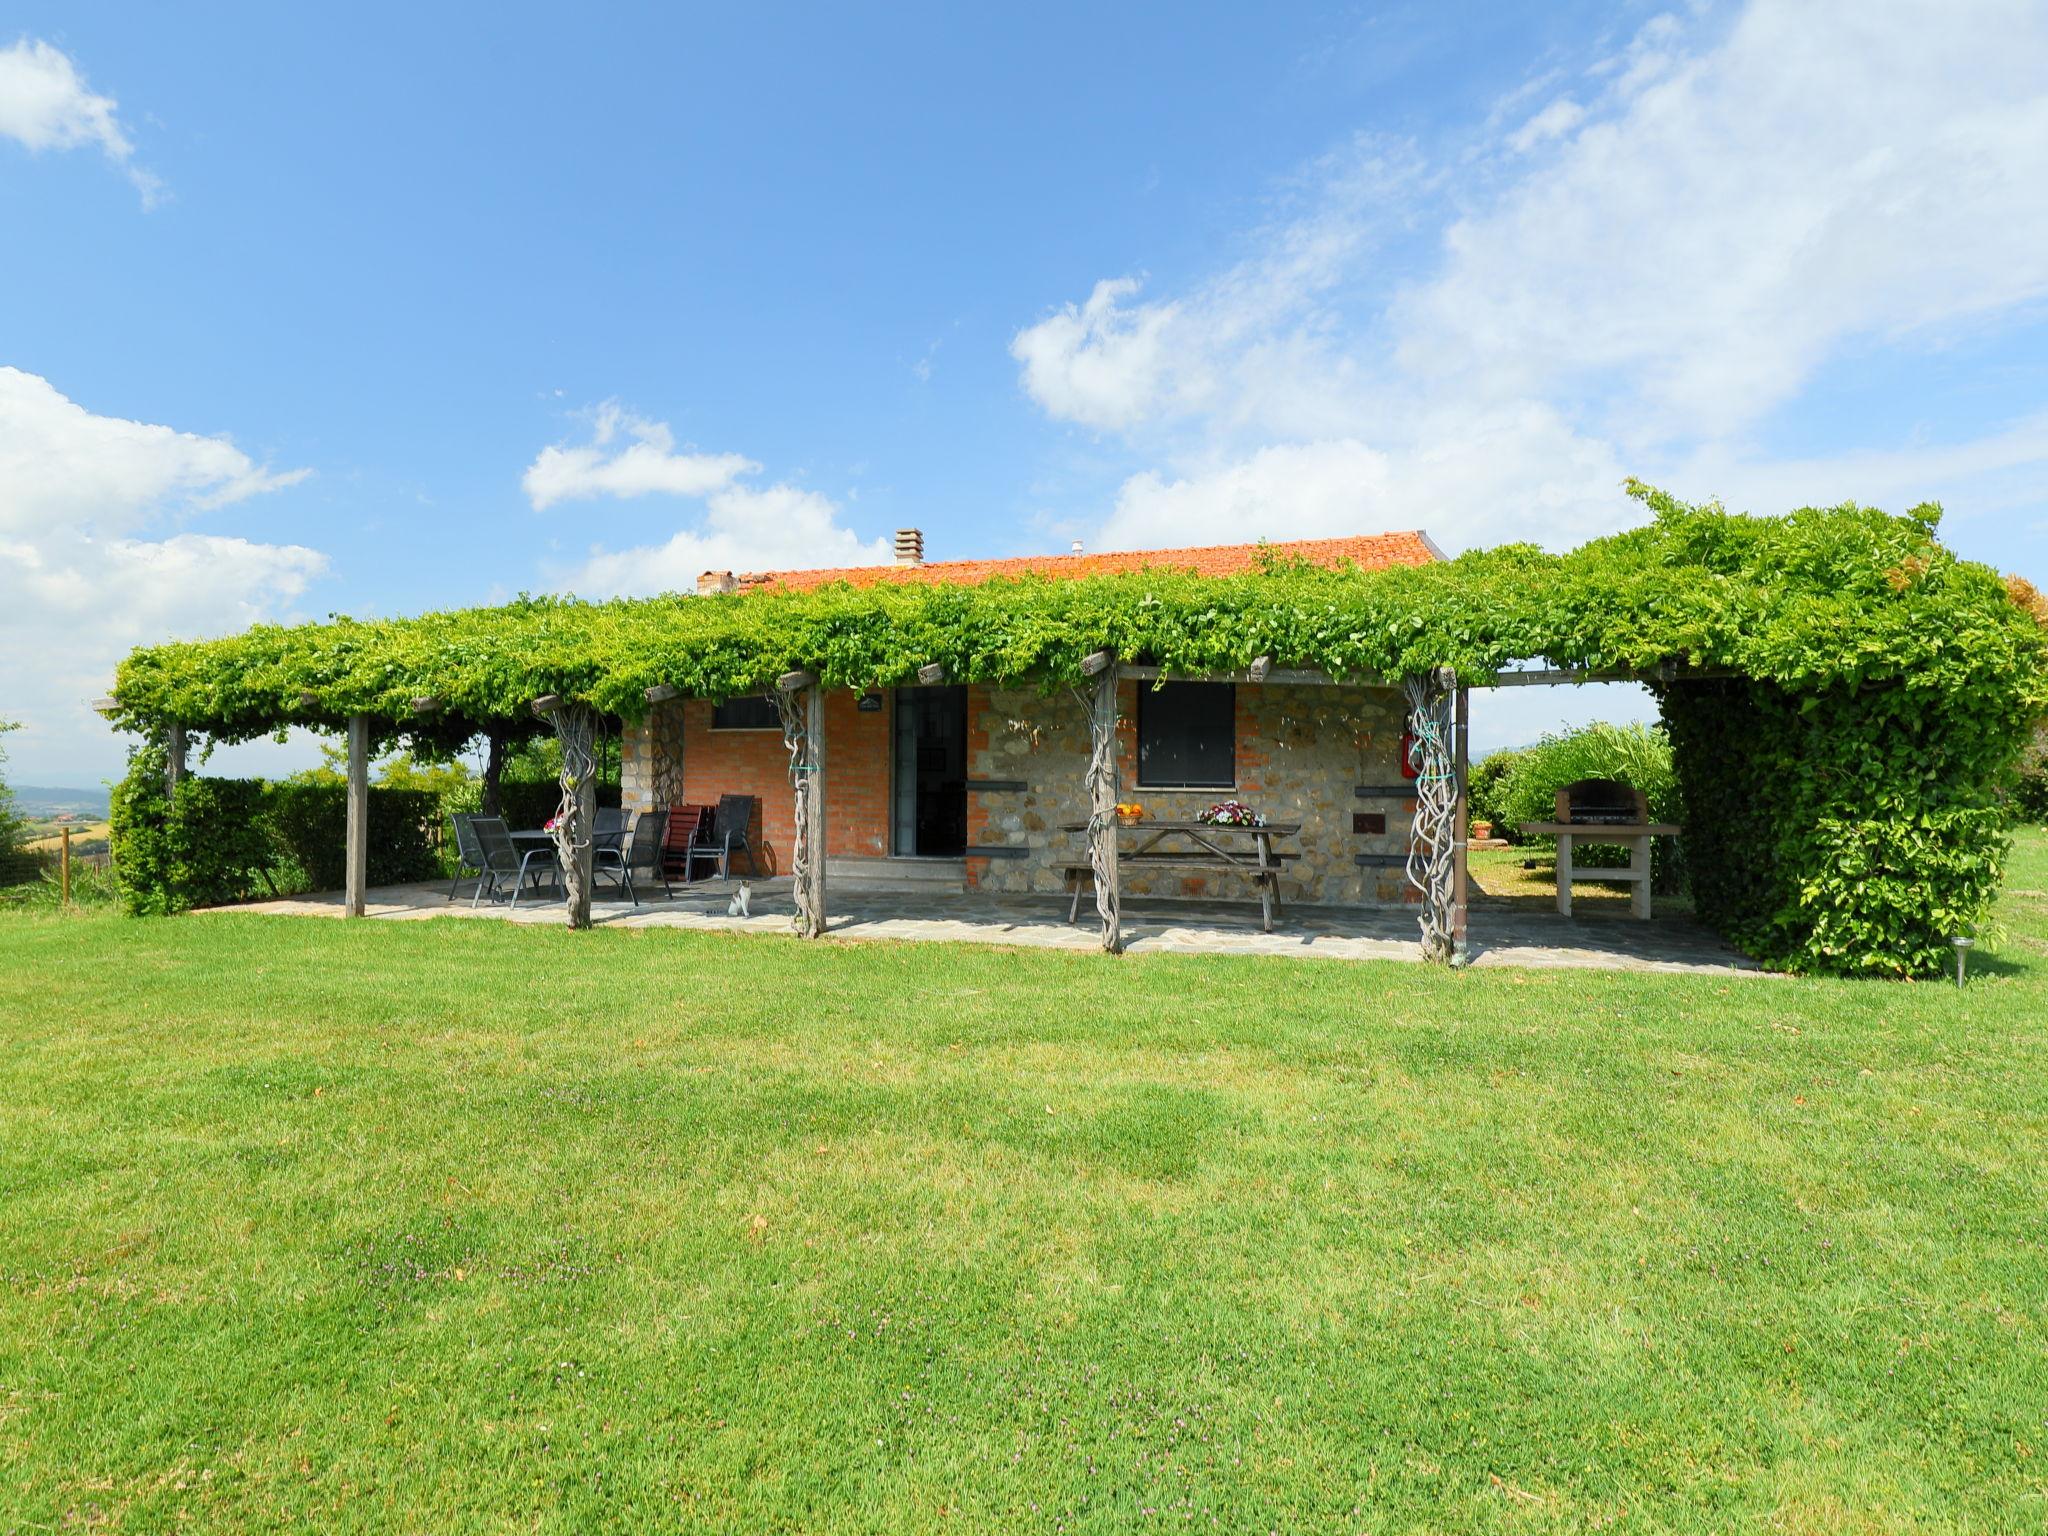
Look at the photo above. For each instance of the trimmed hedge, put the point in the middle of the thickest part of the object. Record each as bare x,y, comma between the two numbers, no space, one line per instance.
309,824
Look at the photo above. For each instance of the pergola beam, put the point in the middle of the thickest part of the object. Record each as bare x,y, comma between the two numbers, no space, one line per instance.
931,674
661,693
1548,677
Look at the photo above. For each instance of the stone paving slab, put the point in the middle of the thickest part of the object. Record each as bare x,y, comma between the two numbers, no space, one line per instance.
1499,937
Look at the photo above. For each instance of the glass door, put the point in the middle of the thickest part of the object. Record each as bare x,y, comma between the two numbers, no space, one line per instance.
929,801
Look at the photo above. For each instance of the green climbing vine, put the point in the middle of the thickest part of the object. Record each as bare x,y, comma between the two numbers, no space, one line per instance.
1844,778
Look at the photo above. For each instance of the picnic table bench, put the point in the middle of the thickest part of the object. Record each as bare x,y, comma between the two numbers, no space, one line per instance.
1198,847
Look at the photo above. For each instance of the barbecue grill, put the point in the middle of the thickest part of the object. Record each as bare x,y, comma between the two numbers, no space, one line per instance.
1602,803
1603,811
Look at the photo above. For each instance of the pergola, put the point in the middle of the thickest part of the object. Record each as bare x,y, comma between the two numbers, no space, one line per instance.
1439,720
1844,696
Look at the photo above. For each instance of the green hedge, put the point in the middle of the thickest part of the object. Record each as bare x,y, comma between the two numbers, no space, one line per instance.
1854,831
309,824
226,840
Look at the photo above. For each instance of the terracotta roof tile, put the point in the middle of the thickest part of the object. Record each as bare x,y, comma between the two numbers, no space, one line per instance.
1371,552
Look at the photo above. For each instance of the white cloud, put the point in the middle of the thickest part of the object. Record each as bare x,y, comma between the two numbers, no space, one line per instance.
1731,218
1630,280
1251,347
627,456
45,104
742,528
1517,473
62,465
779,527
81,583
1553,122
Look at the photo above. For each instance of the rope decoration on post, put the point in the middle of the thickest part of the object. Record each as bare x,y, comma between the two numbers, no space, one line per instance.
575,727
1432,864
790,708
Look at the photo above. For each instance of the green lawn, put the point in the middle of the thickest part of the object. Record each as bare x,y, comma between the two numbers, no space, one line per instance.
458,1226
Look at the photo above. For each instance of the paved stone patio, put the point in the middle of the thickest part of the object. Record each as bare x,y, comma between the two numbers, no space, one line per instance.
1500,936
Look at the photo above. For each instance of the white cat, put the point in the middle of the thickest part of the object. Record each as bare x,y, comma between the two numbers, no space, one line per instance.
740,901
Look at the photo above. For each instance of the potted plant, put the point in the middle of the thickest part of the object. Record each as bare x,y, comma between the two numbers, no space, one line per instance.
1482,830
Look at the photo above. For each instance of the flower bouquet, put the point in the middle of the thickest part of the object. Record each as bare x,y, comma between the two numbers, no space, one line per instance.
1233,813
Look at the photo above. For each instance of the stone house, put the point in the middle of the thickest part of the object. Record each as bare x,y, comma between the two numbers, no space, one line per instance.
978,787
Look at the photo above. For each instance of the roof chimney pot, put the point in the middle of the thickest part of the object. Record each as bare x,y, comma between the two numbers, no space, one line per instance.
909,546
714,582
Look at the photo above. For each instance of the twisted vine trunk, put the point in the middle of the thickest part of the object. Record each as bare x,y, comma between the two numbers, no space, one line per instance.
576,727
802,711
1433,835
1103,792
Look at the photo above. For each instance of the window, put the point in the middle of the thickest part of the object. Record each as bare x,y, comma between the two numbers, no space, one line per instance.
755,714
1187,736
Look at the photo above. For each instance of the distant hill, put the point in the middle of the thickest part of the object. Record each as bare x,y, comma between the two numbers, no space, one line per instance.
38,801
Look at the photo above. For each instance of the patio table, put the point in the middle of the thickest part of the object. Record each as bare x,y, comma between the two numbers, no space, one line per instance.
1199,846
541,835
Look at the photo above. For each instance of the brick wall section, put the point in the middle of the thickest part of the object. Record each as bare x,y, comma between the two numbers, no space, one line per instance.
755,763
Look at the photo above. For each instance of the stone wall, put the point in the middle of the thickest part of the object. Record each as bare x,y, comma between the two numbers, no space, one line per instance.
1301,752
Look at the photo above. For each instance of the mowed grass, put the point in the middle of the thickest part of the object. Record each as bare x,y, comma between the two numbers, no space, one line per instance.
464,1227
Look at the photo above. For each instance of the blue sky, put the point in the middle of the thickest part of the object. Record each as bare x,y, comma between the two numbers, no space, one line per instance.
385,308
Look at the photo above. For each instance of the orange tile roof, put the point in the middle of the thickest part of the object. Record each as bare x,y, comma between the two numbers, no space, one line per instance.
1371,552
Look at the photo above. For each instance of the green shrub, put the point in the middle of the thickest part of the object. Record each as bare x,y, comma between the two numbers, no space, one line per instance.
1484,787
209,845
1637,755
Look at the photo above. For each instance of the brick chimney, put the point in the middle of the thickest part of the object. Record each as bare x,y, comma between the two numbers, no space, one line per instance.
909,546
712,582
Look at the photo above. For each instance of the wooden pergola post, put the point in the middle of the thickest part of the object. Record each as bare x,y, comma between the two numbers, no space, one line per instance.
1103,790
174,758
356,866
800,699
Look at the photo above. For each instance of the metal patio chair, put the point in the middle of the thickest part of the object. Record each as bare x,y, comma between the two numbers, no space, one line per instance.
642,850
469,853
503,860
728,833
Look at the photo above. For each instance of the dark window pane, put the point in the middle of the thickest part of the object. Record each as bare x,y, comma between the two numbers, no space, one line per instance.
756,714
1187,735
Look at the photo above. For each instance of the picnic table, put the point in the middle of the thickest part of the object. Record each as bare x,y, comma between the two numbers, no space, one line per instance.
1200,847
